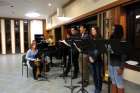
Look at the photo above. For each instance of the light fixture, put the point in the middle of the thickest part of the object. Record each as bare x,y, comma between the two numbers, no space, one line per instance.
32,14
49,4
64,18
137,16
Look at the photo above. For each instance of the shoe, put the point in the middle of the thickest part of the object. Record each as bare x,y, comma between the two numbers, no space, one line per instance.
97,91
80,82
63,75
85,83
35,78
74,76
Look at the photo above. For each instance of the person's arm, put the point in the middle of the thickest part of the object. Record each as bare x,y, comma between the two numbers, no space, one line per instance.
64,42
28,56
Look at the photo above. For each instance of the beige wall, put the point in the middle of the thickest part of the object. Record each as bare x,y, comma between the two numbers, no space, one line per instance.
54,20
132,76
80,7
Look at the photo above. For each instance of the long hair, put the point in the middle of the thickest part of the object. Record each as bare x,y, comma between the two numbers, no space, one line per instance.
118,32
33,43
98,32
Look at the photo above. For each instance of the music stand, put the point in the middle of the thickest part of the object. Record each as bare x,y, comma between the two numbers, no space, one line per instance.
42,48
83,44
71,87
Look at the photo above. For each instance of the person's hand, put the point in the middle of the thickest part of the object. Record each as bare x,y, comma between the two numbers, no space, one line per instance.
91,59
120,71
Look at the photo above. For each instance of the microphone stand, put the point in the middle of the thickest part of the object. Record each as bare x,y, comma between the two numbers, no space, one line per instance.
82,89
71,87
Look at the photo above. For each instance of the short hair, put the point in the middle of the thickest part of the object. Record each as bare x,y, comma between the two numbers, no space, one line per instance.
74,27
83,25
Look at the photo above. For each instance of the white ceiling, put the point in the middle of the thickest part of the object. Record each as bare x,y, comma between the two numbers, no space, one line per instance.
21,7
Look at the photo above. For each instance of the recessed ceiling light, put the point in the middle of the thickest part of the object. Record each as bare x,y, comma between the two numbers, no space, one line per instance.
32,14
49,4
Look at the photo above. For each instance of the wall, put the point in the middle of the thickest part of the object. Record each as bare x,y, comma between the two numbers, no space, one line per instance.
54,20
132,76
80,7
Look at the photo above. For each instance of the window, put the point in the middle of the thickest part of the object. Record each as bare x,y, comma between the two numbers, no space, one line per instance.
26,33
17,36
8,35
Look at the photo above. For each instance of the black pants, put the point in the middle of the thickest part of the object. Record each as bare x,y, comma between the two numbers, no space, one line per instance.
74,63
97,69
34,67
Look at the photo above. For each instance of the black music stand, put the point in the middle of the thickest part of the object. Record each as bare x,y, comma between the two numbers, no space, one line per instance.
71,87
42,48
83,44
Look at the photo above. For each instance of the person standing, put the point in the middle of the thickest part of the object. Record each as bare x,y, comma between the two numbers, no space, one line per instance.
95,60
117,59
73,53
84,66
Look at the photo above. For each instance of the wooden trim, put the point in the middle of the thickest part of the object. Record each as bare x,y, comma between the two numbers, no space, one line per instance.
99,10
135,68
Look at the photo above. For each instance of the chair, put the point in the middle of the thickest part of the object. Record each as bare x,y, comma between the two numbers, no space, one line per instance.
24,64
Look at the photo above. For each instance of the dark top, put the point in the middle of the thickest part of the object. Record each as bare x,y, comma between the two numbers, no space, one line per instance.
95,49
85,38
118,52
74,39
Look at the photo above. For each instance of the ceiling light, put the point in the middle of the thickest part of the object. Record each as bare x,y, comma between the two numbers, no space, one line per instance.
49,4
137,16
32,14
64,18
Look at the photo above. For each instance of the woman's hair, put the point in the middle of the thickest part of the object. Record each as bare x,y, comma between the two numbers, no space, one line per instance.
98,33
33,42
118,32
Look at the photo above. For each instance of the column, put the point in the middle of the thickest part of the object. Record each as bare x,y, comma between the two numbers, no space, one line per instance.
21,36
13,36
3,36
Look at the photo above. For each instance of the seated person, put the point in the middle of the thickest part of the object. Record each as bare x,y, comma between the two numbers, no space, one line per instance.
31,58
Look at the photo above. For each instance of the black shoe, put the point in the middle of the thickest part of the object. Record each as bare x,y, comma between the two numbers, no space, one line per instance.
85,83
74,76
80,82
63,75
35,78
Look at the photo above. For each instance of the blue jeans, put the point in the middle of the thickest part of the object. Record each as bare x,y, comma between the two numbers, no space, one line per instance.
97,68
115,78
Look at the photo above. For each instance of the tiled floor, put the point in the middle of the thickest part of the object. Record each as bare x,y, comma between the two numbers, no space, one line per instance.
11,80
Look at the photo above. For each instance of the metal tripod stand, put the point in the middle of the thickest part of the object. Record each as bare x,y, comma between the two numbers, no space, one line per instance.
82,89
44,77
71,87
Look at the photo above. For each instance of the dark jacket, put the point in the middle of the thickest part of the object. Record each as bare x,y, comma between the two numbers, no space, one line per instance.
119,53
94,49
